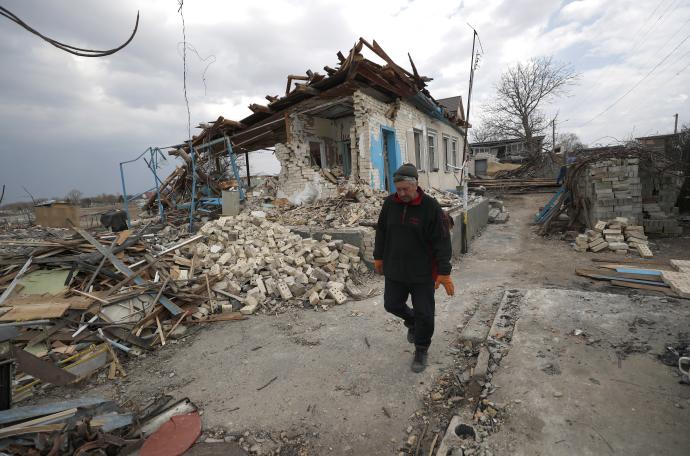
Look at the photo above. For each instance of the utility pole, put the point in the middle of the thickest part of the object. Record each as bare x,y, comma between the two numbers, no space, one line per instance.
675,126
553,140
474,60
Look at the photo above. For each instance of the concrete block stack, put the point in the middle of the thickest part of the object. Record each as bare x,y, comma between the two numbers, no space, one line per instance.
613,186
657,221
263,265
617,236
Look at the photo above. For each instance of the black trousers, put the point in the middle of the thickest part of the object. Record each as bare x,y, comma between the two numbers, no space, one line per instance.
421,316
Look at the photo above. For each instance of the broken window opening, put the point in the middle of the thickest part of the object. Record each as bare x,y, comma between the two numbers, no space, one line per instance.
454,153
346,157
315,154
446,153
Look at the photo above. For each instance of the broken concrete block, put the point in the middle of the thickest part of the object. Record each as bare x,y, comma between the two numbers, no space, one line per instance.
215,270
644,251
600,226
216,248
251,304
337,295
599,247
225,258
284,290
201,249
350,249
314,298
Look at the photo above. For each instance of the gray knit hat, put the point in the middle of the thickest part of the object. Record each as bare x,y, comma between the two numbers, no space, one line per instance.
407,172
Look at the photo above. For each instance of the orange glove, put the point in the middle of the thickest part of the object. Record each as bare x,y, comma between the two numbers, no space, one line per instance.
378,266
447,284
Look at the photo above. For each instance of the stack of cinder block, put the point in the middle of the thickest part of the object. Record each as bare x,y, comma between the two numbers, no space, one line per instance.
617,236
261,264
613,186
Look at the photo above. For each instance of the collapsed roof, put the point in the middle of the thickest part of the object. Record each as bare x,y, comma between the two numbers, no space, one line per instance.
322,95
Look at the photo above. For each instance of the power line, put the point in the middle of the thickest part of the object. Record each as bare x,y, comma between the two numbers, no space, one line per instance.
638,82
641,39
82,52
184,70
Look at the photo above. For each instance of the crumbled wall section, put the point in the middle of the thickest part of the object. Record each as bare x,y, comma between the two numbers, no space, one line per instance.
295,168
370,117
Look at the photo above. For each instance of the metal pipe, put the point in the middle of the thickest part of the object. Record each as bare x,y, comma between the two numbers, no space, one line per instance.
124,193
191,206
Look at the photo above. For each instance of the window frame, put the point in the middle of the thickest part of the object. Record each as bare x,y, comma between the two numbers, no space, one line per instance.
431,147
454,152
445,139
417,136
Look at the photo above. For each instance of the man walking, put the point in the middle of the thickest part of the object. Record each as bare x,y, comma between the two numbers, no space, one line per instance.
413,252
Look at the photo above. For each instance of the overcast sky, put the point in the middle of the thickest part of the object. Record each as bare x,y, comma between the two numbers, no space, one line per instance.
66,122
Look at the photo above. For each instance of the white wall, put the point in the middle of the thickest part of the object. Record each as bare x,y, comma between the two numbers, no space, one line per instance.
370,115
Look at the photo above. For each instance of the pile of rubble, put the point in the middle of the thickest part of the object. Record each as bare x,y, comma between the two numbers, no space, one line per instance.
616,236
263,265
357,205
497,213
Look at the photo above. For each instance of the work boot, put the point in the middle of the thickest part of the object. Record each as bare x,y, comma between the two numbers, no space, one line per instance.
419,361
410,334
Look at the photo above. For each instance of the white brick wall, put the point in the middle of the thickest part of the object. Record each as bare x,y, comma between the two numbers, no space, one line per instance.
370,116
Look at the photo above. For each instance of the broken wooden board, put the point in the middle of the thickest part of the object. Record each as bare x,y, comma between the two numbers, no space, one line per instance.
74,302
678,281
43,370
642,286
35,312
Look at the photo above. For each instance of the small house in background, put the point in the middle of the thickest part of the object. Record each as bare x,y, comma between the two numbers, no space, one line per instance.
490,156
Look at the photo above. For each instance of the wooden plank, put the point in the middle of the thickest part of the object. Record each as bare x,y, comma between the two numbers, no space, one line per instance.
619,275
35,312
650,272
623,260
173,308
642,286
623,279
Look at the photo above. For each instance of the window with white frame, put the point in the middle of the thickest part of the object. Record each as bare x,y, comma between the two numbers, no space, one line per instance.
418,150
454,152
446,153
431,149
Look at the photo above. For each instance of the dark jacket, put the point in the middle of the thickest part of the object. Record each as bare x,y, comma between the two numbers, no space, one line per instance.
413,239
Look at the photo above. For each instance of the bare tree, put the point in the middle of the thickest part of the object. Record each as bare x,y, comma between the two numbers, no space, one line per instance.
520,93
74,197
570,142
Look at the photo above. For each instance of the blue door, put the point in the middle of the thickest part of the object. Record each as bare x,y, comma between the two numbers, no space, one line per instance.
391,156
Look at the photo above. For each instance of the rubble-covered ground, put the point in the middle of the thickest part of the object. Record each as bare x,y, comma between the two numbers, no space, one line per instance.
339,382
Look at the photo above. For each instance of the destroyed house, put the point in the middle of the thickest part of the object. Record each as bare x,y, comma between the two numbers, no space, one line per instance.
358,122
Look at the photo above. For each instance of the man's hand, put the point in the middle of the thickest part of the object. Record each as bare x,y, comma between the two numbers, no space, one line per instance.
378,266
447,284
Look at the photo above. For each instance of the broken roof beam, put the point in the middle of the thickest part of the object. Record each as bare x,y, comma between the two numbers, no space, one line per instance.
254,107
294,77
303,88
272,98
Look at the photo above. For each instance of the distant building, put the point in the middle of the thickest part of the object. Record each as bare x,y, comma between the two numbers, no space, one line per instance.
513,150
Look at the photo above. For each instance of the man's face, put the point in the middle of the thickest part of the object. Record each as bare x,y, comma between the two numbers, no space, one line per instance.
406,190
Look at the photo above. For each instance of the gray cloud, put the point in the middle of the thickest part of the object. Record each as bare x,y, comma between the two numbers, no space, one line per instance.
67,122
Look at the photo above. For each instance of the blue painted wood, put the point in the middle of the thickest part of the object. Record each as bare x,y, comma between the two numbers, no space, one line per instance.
651,272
